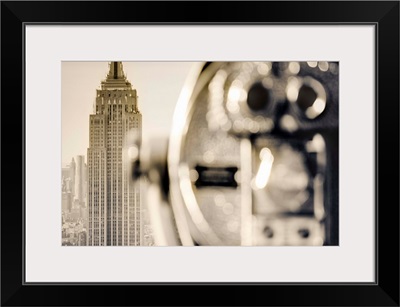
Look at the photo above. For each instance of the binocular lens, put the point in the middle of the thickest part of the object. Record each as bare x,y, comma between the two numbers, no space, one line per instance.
306,97
258,97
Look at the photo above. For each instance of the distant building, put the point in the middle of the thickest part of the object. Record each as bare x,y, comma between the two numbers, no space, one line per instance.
65,172
67,177
148,239
66,201
75,213
82,238
72,176
113,201
73,234
79,182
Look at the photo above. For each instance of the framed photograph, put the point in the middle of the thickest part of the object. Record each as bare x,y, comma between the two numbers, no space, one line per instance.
234,153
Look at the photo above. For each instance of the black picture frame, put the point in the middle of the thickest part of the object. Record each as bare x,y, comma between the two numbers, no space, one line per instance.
384,15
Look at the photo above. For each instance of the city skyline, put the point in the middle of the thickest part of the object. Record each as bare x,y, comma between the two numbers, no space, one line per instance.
73,202
81,79
101,205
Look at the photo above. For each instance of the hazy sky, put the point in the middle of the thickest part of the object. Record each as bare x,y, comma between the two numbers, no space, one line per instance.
158,86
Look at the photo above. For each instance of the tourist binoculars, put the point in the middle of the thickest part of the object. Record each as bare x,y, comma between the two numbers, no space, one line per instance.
251,160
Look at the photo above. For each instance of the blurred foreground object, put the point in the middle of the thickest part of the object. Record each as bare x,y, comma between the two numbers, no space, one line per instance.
252,157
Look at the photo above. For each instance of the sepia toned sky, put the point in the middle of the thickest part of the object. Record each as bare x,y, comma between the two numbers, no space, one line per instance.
158,86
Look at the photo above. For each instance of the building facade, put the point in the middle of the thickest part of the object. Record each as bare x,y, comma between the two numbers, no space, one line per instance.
67,188
72,168
114,210
79,181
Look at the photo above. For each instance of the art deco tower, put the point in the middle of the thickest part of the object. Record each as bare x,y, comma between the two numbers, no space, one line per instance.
113,201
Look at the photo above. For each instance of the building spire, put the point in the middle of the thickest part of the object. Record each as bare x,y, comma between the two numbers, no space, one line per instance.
116,78
116,71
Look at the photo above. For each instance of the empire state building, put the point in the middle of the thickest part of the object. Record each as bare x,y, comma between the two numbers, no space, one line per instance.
113,201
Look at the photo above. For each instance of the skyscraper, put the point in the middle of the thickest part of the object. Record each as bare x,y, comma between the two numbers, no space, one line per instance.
79,188
72,167
113,201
